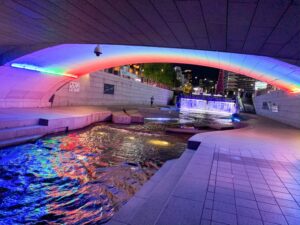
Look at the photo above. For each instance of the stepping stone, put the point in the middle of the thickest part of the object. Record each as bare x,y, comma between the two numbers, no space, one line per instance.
121,118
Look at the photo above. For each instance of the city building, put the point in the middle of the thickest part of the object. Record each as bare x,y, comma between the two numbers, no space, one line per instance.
134,71
234,83
179,75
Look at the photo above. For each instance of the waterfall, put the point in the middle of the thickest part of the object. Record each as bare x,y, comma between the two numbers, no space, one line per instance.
200,105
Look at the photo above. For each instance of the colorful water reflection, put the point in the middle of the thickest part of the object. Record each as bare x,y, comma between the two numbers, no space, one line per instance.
82,177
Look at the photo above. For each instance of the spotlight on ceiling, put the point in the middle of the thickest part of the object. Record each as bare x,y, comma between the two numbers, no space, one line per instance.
97,50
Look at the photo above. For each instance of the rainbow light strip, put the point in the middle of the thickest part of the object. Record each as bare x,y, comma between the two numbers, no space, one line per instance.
40,69
79,59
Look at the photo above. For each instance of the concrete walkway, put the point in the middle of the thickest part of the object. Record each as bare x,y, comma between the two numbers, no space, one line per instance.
55,112
72,111
248,176
20,125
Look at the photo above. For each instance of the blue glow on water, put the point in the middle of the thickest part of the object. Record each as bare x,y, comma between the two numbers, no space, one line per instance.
161,119
22,171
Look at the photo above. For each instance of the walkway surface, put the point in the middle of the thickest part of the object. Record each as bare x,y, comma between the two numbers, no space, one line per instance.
69,111
20,125
248,176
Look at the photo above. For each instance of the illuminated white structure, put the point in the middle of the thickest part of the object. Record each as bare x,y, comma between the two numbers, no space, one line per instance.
211,106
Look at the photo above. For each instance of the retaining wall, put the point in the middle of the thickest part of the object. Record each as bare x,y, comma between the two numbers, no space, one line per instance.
280,106
90,91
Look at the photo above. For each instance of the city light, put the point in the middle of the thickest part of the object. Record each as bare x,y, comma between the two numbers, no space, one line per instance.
260,85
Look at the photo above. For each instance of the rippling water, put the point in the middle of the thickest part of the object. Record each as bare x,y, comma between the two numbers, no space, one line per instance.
82,177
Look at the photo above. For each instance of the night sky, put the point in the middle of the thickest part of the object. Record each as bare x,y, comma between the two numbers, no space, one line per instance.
201,71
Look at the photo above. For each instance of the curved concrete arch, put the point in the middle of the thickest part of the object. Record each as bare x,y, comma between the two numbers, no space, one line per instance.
79,59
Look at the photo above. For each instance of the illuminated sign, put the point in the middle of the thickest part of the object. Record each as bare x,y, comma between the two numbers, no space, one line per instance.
260,85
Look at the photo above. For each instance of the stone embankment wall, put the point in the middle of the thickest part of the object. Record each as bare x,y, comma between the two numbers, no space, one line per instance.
89,90
280,106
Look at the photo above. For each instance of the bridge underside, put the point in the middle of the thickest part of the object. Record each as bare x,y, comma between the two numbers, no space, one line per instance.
267,28
38,75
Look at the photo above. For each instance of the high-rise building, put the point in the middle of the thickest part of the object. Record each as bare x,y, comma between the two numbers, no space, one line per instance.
234,83
179,75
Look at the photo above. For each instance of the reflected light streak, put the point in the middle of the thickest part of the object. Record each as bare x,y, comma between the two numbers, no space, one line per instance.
159,142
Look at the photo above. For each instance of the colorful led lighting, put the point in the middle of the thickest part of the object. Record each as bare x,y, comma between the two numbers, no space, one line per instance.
79,59
40,69
296,90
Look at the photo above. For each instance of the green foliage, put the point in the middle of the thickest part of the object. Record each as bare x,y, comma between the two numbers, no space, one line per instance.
160,72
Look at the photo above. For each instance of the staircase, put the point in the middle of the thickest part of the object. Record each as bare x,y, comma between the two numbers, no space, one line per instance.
175,185
14,132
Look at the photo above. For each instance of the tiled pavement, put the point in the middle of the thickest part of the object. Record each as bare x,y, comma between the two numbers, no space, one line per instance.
250,187
249,176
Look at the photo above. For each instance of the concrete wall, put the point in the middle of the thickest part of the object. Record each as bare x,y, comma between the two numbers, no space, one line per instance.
288,107
126,92
24,88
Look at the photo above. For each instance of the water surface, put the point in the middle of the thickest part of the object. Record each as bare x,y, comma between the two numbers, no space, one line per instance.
82,177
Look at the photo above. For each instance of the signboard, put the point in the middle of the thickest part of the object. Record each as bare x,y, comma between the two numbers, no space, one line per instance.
109,89
260,85
74,86
265,106
273,107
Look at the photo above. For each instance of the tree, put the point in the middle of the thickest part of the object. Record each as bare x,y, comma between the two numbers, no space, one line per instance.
160,72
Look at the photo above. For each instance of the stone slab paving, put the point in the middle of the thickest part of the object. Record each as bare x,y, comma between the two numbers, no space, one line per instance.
252,189
249,176
255,175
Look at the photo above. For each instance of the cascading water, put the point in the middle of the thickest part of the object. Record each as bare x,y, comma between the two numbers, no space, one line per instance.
201,105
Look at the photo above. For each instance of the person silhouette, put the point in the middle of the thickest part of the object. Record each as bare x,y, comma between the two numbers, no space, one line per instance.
151,101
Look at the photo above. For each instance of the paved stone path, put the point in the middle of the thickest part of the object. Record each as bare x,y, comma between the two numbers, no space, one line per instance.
252,187
249,176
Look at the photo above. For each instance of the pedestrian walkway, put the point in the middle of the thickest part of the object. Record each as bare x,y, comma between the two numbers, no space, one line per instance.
28,124
246,176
